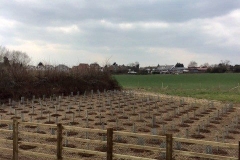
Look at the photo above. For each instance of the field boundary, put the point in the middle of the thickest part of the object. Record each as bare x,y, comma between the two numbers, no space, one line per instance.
109,143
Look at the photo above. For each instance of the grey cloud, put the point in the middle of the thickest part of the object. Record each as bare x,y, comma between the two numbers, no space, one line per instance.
57,12
184,21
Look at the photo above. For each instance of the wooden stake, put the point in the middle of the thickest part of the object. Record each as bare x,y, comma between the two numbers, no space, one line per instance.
15,139
59,141
133,128
239,150
169,148
109,143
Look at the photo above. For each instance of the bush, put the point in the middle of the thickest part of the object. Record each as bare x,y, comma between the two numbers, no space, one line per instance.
217,69
236,69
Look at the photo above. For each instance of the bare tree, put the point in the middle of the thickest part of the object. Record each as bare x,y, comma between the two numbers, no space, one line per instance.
107,62
192,64
19,57
225,62
16,57
205,65
3,52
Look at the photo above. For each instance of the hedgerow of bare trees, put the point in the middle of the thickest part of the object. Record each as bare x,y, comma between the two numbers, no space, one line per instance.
17,80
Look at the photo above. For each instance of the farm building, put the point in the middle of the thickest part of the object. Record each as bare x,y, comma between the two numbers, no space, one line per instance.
179,70
197,70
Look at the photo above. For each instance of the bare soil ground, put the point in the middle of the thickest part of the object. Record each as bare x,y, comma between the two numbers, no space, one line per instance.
138,112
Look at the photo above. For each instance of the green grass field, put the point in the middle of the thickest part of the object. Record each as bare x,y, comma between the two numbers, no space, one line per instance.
223,87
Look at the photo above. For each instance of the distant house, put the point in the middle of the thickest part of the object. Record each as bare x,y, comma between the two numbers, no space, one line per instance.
197,69
150,69
132,72
111,69
202,70
82,67
134,67
116,69
30,67
49,67
165,69
177,70
193,69
62,67
40,66
95,66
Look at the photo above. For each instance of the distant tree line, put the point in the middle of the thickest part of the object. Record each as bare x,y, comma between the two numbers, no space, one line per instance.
223,67
220,68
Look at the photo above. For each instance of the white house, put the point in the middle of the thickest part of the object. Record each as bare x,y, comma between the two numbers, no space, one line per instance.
162,69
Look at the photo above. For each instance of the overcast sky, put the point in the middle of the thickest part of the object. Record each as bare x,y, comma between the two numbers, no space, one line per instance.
123,31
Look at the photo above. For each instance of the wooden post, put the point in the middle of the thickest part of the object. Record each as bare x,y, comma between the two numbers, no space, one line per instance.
169,149
59,141
239,150
15,139
109,143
